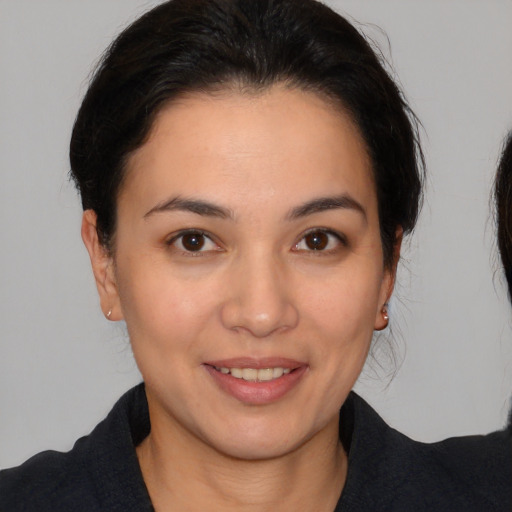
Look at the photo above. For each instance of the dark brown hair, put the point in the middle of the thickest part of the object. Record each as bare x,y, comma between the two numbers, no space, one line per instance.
186,46
503,198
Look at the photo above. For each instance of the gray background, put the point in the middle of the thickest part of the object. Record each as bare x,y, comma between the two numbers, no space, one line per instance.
62,365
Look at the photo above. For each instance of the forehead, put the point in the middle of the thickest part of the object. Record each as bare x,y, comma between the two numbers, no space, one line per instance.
229,145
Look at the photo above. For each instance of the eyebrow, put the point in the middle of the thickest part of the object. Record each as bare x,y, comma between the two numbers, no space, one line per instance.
206,209
322,204
196,206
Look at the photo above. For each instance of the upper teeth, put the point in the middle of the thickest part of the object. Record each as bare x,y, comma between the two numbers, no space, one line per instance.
255,374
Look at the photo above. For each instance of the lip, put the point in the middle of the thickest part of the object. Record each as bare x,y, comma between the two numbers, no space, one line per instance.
258,363
257,393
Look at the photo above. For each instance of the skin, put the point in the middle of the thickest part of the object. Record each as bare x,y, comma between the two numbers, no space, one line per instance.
256,289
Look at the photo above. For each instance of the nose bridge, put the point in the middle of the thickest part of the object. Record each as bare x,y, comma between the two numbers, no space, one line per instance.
260,300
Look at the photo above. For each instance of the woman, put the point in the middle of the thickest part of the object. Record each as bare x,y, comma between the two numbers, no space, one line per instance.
247,172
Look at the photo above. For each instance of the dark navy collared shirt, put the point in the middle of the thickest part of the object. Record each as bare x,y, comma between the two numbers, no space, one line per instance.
387,472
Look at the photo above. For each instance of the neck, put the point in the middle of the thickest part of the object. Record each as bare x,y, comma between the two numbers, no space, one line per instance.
186,475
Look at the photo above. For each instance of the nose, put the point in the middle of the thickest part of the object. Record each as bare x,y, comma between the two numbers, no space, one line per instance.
260,302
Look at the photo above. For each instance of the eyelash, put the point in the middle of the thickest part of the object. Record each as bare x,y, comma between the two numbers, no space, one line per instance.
206,238
339,238
198,233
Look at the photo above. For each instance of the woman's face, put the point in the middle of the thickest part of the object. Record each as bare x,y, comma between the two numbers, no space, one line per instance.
248,267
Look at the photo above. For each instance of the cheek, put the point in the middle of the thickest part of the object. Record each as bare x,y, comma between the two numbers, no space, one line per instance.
340,318
161,308
345,303
167,322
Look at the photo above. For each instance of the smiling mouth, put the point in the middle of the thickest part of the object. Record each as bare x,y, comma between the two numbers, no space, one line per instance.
254,374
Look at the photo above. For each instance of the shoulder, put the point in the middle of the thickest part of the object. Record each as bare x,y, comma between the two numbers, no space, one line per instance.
101,472
49,481
396,473
474,472
485,458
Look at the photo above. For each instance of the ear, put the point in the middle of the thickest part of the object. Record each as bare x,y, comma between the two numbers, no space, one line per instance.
102,266
388,283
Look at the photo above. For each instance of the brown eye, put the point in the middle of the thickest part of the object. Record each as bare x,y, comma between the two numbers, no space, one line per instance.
317,241
193,241
320,241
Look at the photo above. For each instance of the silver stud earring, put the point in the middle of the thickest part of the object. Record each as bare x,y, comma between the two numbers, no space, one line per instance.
109,313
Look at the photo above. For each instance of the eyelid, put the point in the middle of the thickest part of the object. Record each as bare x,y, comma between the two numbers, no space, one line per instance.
173,238
340,237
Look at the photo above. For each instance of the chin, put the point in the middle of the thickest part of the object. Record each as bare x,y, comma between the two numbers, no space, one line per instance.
257,449
258,440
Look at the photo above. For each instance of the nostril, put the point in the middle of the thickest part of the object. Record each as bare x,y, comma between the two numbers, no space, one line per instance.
259,303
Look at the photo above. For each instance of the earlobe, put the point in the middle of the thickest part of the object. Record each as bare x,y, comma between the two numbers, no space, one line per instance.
102,266
382,319
388,284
